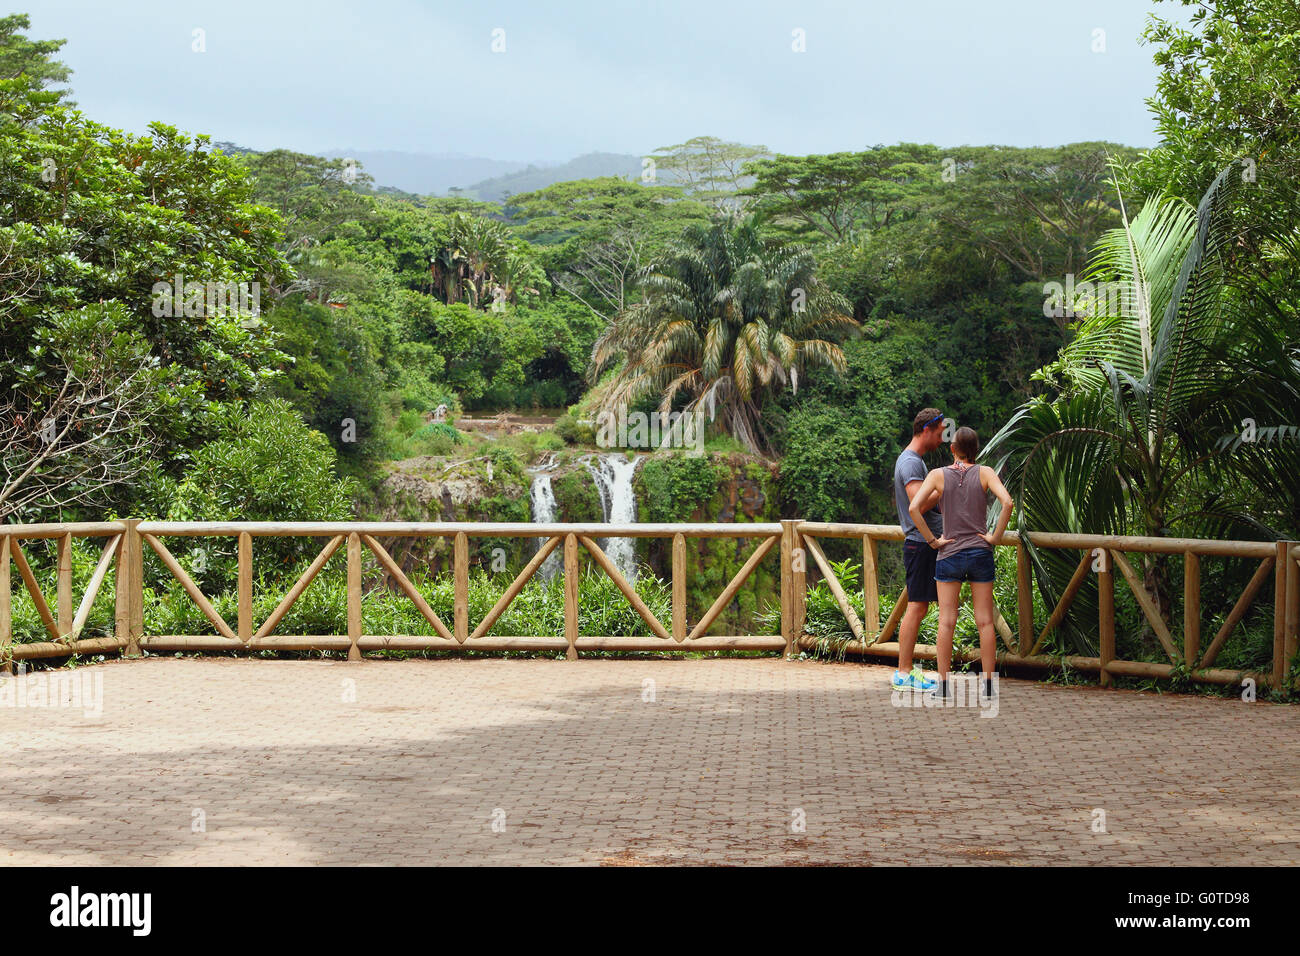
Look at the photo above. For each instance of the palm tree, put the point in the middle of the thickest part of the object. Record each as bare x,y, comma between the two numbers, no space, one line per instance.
478,258
725,317
1148,396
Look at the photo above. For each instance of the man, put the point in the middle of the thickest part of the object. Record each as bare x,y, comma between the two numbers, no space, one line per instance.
918,555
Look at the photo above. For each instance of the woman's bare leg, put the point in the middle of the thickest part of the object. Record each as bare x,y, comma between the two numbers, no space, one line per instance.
949,598
982,603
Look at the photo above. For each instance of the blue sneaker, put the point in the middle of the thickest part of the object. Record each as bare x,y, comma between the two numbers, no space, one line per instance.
916,680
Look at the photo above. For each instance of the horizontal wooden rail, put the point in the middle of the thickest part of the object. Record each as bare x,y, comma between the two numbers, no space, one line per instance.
1053,539
416,642
475,529
1054,662
1109,556
78,529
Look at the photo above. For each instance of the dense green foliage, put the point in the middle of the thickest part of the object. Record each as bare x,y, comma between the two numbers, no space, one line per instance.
677,485
810,305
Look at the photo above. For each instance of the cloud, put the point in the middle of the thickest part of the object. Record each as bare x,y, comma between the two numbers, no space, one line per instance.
582,75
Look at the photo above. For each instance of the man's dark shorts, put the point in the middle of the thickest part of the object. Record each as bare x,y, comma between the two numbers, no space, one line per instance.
918,562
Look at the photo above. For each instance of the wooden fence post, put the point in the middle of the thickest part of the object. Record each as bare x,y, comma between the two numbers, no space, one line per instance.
1292,635
679,587
793,585
789,537
1191,608
6,608
1106,615
571,595
245,586
870,591
800,563
1279,614
1024,597
460,574
65,586
354,595
130,588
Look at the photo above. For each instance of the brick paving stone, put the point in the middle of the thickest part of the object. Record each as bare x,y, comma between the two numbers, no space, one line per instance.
492,761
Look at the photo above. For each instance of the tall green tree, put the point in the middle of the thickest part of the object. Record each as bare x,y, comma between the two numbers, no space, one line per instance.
1037,210
92,221
843,194
1146,393
599,233
1228,93
314,198
727,317
28,71
709,169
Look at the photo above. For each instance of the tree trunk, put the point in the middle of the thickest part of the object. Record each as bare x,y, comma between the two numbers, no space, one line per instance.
1156,573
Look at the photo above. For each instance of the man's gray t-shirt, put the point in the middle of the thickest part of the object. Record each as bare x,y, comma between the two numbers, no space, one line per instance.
911,467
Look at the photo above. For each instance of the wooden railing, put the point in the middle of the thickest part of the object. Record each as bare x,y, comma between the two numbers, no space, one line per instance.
1103,553
126,540
125,543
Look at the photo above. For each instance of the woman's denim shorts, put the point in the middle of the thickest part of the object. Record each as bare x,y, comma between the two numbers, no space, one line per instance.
973,564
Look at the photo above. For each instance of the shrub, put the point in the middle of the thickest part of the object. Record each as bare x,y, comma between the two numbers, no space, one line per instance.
677,485
574,432
264,465
549,441
433,438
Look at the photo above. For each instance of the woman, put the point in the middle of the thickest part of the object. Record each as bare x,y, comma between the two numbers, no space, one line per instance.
966,547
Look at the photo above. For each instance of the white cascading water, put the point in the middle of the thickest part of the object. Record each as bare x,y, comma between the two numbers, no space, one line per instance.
613,475
543,502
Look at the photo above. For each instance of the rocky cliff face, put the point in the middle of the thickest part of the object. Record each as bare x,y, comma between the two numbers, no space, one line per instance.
489,488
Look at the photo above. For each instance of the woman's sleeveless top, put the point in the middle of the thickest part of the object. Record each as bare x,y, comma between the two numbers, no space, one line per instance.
965,510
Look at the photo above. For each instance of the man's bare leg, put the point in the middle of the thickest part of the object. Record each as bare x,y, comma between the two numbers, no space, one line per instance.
908,629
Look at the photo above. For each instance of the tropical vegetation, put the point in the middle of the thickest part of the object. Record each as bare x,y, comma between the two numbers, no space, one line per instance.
1123,324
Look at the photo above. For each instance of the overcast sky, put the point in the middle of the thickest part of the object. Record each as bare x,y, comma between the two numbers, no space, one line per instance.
577,76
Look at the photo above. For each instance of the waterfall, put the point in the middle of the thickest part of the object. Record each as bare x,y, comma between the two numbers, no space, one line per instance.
613,475
543,502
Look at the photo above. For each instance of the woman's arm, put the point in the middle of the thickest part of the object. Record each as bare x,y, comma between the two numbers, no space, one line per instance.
931,490
994,484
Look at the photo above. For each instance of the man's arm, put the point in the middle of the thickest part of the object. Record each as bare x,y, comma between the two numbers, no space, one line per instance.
912,487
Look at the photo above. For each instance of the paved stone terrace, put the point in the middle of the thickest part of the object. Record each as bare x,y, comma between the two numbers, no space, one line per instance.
575,766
